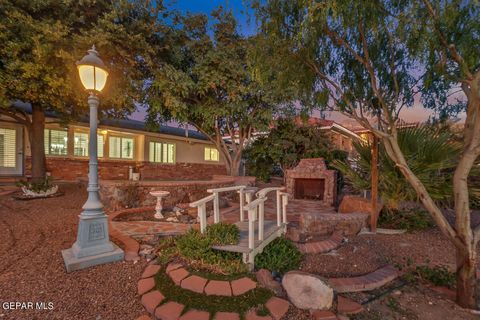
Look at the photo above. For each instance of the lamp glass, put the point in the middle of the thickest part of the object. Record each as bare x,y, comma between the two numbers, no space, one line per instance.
93,78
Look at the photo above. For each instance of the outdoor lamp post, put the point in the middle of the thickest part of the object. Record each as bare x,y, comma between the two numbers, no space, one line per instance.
93,246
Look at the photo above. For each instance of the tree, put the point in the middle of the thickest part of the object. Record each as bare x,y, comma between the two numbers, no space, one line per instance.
285,145
42,40
355,57
431,152
211,86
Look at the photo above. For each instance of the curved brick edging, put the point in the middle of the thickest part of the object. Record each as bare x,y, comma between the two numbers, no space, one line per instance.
180,276
130,245
322,246
367,282
152,299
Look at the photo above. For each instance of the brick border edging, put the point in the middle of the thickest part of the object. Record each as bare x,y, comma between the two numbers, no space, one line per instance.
323,246
131,246
367,282
152,299
181,277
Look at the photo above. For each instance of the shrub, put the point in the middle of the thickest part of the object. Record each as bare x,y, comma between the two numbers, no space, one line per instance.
411,220
281,256
37,187
438,275
222,234
197,248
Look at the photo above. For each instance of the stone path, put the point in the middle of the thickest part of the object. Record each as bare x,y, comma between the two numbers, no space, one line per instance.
156,305
367,282
322,246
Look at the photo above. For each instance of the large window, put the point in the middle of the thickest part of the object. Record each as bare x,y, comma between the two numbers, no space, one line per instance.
56,142
161,152
8,148
121,147
80,146
211,154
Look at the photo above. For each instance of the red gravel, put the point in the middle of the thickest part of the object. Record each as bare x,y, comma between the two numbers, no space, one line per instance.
32,235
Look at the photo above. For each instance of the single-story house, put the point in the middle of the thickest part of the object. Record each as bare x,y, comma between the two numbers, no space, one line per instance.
170,153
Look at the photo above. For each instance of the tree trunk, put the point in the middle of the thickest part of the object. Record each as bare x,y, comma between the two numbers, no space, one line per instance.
36,136
466,277
234,167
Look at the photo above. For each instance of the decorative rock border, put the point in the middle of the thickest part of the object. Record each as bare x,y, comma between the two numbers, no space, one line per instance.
198,284
152,299
367,282
322,246
130,245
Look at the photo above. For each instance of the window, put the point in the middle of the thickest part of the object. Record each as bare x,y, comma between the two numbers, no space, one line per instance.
56,142
211,154
8,148
161,152
80,147
121,147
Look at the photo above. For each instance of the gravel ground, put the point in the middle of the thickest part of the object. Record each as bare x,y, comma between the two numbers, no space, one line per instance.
32,235
365,253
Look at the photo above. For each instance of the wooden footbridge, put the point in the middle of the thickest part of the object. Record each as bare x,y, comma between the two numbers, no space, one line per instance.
255,232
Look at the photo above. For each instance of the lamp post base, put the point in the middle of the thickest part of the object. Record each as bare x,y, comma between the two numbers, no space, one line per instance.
93,246
73,263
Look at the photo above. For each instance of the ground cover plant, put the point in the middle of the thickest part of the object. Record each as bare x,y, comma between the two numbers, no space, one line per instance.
279,256
410,220
192,300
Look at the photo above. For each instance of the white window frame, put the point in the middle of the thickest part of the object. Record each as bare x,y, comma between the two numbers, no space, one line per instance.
121,147
49,142
162,145
210,149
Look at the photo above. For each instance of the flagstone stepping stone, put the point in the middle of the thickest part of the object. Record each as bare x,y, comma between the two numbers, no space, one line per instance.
151,300
277,307
194,283
169,311
178,275
370,281
195,315
242,285
347,306
307,291
218,288
226,316
252,315
151,270
323,315
173,266
145,285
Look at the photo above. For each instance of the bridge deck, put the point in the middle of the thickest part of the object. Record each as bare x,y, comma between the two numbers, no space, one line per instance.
270,229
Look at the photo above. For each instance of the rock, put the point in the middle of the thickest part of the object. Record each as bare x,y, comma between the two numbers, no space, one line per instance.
172,219
307,291
184,219
265,279
351,204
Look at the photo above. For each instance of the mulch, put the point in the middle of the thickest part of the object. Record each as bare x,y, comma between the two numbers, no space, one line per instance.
32,235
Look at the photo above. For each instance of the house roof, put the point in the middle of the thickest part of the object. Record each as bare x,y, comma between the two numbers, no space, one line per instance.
124,123
326,124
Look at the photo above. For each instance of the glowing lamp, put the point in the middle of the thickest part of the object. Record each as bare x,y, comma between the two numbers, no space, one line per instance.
92,71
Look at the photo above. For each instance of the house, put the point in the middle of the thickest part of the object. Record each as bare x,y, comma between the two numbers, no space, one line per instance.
341,137
169,153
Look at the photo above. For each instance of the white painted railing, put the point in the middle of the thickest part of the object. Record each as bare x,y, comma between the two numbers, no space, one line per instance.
254,212
281,203
201,206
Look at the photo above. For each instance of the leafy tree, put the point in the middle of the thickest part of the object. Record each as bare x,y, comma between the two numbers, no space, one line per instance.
431,152
362,58
211,86
42,40
285,145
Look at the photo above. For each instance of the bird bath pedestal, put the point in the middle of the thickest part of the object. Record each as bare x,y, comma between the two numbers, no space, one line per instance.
158,208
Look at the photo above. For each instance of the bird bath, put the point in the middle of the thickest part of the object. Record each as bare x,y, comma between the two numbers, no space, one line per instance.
159,207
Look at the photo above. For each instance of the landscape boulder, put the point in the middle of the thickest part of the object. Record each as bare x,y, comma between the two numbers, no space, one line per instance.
307,291
356,204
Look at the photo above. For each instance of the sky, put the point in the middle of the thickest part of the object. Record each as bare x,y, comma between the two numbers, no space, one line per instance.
247,26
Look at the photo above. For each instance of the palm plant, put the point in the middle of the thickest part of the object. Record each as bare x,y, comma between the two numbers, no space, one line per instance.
431,153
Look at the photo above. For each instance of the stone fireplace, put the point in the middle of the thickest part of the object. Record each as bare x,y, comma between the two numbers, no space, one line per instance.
310,180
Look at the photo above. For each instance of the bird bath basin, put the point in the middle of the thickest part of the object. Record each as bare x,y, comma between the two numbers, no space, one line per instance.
159,207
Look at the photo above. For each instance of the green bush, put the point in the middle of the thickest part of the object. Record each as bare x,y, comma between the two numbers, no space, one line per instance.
222,234
411,220
438,275
281,256
37,187
197,248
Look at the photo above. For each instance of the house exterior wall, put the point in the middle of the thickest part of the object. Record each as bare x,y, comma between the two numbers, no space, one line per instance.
189,157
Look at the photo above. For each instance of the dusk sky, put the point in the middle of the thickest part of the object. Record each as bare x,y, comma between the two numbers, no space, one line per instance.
248,26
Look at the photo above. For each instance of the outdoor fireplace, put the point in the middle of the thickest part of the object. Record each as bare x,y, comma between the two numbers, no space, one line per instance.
310,180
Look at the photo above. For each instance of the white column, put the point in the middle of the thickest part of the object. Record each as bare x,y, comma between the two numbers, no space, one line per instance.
202,214
279,208
241,195
216,208
261,220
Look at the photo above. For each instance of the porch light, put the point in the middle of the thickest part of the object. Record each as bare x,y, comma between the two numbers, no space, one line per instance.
92,71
